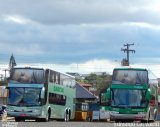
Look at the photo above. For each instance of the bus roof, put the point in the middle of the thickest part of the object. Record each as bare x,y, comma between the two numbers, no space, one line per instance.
139,69
37,68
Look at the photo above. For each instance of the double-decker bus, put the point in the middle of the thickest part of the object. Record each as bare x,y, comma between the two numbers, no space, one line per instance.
40,94
133,95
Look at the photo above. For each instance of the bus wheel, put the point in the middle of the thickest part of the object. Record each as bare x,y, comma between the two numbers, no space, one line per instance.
66,116
17,119
69,115
38,120
47,116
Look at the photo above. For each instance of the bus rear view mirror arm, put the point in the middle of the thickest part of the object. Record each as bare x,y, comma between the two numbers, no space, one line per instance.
148,95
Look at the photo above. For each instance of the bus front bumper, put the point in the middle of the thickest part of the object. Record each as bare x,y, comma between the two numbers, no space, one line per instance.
141,116
26,114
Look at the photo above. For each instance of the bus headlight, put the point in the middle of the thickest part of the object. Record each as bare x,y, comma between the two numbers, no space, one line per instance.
141,113
10,110
36,110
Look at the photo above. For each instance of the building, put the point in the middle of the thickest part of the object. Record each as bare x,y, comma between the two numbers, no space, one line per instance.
83,94
85,103
85,85
3,93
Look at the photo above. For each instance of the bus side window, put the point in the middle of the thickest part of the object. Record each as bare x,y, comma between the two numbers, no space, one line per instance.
46,75
57,78
51,76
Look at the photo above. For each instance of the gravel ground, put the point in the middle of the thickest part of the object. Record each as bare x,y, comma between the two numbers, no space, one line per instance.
56,124
11,123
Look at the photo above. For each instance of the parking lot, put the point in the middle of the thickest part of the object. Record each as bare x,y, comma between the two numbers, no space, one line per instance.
9,122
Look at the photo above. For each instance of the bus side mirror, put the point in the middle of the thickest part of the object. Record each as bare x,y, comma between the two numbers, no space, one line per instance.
148,95
42,93
158,99
108,94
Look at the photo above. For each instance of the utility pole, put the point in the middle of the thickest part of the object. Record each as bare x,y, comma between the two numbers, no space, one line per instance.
5,70
125,62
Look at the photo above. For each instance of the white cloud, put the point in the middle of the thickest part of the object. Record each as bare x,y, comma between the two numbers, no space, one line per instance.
86,67
101,65
144,25
17,19
22,49
31,49
74,31
154,68
4,70
82,11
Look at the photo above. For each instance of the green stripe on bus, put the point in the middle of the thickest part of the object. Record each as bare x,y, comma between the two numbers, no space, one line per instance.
126,86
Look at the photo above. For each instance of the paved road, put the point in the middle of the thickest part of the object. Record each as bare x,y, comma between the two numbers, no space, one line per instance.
56,124
52,123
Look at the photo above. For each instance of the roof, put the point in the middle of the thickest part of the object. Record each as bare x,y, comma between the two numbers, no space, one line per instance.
83,93
84,84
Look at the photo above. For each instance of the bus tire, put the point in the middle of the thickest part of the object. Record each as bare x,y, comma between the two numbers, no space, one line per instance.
66,116
69,114
38,120
18,119
48,115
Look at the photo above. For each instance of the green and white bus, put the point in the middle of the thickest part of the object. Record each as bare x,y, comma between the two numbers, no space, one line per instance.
40,94
133,95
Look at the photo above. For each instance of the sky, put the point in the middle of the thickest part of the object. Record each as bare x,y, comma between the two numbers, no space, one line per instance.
80,35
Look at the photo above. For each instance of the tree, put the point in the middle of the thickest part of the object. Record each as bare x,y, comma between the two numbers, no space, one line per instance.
98,82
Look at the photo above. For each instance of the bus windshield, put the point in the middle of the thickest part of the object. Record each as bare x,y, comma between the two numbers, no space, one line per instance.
24,96
27,76
128,98
132,77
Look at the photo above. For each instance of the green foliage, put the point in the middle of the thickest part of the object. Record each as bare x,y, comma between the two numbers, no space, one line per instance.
99,82
82,80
